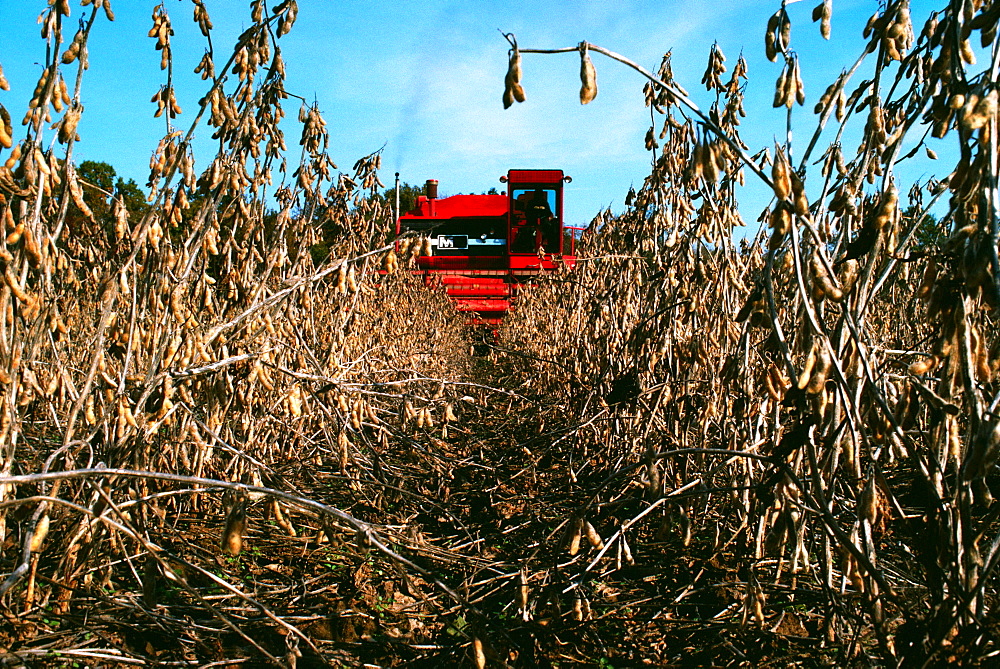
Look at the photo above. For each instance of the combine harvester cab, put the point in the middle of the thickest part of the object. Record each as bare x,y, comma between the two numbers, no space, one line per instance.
484,247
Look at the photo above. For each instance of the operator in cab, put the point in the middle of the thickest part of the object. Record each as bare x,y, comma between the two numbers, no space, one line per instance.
538,217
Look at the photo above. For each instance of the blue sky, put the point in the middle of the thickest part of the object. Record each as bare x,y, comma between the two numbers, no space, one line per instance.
424,80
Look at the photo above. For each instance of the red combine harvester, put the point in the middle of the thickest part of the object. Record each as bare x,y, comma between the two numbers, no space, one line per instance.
484,247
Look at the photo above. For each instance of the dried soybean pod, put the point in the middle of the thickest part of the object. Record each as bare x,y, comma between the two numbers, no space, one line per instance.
777,381
981,361
508,97
775,240
772,391
965,50
781,88
826,98
518,92
748,306
404,247
67,128
826,285
847,274
341,281
478,654
390,262
781,174
626,549
236,523
32,251
6,129
514,66
512,81
279,518
867,508
780,219
797,84
807,369
823,363
352,282
927,282
799,197
771,38
575,534
588,76
15,235
41,531
15,286
593,537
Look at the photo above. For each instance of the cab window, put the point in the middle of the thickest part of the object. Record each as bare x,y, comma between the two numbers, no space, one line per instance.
534,220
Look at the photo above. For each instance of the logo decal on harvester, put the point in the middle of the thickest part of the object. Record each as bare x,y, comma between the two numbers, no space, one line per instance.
453,242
